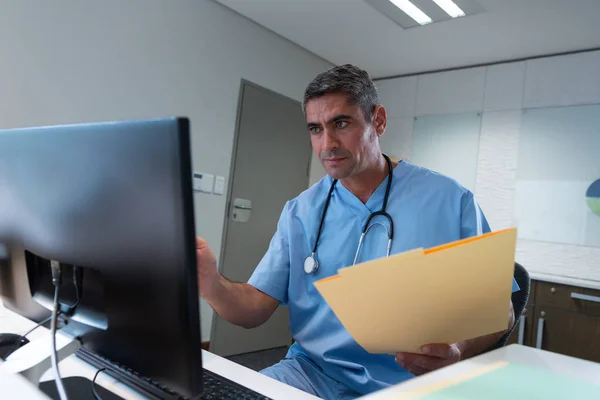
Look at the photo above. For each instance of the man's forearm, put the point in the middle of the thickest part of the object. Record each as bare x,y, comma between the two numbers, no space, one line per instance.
240,303
473,347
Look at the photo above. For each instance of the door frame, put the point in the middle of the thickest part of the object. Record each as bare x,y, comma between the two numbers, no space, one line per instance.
238,120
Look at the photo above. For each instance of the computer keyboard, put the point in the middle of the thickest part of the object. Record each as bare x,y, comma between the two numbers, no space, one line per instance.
214,386
217,387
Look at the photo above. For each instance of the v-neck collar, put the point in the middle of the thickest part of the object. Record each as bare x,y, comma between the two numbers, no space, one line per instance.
375,201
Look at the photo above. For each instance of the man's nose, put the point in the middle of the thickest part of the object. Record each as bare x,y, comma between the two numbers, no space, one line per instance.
330,141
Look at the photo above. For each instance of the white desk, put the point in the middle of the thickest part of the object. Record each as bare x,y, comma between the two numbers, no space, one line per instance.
73,366
15,386
557,363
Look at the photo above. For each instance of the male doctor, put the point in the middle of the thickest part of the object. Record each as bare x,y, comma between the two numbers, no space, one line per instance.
345,121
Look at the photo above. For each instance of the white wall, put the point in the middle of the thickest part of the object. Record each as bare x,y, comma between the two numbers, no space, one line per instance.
500,93
73,61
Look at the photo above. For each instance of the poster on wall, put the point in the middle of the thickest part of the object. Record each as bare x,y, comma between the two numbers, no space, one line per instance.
448,144
593,197
557,195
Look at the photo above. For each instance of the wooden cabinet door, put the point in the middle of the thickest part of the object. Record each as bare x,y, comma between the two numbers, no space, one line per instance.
573,298
522,333
567,332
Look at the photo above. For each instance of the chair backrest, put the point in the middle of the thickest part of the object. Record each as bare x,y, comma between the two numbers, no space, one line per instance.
519,300
520,297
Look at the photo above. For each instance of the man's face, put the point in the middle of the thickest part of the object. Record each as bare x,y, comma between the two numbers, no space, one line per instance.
340,136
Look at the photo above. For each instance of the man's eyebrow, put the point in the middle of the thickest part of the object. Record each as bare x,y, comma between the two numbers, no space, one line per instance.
331,121
339,117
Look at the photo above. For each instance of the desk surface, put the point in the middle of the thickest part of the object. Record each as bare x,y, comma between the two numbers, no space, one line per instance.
73,366
564,365
15,386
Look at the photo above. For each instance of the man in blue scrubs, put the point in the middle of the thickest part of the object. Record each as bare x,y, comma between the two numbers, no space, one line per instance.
345,121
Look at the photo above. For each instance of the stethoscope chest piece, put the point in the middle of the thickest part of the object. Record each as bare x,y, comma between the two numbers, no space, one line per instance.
310,265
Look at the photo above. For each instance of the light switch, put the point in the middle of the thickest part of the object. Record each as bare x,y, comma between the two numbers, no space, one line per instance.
220,185
208,181
203,182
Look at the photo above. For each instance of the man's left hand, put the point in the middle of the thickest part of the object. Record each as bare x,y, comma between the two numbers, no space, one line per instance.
435,356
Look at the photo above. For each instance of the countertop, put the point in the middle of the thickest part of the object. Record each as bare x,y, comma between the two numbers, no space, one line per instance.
565,280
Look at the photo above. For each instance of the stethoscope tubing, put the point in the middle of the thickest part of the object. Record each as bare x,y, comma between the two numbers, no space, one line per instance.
315,264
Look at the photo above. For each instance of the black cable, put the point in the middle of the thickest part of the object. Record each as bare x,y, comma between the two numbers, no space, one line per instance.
70,309
23,336
96,395
76,284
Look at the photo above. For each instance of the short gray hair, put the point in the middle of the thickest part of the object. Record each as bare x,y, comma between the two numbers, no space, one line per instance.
347,79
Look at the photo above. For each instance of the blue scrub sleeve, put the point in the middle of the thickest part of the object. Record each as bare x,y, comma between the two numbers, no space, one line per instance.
474,223
271,276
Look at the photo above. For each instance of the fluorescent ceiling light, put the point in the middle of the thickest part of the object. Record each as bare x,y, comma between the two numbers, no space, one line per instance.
412,11
450,7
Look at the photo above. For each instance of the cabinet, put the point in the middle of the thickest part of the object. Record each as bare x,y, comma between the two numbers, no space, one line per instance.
562,319
566,332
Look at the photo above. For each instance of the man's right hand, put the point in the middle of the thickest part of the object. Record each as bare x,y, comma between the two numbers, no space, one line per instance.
208,275
239,303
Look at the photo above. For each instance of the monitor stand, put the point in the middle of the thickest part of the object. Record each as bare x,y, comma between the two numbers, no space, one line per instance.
34,359
77,387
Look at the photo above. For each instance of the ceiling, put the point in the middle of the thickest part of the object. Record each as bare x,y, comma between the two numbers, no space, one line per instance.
352,31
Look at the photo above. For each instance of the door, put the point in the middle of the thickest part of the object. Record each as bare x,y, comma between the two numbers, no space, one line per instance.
271,166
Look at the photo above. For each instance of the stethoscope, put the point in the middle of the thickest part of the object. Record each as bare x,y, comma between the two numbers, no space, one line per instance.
311,264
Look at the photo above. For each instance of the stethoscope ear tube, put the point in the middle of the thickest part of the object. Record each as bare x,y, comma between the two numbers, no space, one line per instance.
363,234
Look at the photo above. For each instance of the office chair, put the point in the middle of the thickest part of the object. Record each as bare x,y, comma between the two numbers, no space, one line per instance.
519,300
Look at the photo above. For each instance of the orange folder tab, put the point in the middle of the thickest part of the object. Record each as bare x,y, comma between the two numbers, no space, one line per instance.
445,294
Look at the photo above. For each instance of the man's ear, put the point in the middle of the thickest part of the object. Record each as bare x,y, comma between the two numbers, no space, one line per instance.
379,120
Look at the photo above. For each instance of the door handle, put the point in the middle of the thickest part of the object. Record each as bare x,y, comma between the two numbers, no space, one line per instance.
521,329
587,297
241,210
540,331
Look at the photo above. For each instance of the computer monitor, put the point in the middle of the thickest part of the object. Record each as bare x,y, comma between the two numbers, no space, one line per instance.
113,203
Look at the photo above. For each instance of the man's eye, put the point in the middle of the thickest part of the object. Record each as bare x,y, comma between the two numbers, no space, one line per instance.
314,130
341,124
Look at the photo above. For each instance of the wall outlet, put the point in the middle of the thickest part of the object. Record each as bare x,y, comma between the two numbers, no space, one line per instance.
220,185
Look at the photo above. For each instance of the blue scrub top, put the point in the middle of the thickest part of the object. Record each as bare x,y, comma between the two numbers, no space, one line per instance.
428,209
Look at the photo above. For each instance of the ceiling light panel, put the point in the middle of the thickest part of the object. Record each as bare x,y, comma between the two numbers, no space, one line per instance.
450,8
412,11
415,13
